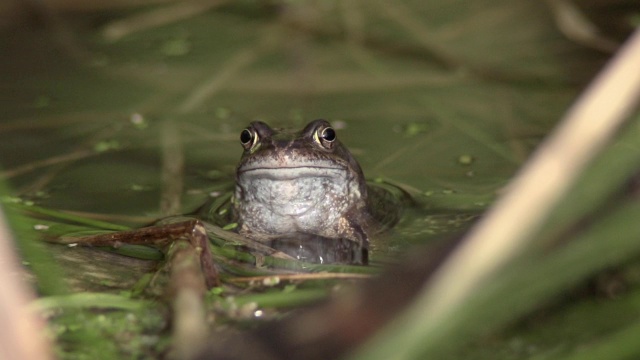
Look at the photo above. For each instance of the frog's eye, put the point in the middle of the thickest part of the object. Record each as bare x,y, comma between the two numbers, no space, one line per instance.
328,134
325,136
248,137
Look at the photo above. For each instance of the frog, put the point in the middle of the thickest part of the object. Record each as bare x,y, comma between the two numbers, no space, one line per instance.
302,182
302,193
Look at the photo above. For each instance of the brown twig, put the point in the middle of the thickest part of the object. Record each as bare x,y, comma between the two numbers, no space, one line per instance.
188,256
162,236
187,289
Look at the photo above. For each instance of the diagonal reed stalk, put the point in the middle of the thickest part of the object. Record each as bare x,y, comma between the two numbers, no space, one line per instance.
510,225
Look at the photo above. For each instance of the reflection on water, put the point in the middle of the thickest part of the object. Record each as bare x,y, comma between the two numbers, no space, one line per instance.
321,250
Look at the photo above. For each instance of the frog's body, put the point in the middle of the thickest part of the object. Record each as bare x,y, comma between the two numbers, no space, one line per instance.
300,182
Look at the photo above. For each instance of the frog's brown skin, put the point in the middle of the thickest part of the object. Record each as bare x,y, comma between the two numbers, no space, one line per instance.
299,182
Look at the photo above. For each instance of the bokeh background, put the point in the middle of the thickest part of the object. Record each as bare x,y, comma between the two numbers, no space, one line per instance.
445,98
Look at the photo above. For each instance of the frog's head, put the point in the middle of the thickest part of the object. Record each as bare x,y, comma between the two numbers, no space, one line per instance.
296,181
281,153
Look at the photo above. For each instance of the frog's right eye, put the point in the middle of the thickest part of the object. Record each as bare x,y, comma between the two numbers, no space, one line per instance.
248,137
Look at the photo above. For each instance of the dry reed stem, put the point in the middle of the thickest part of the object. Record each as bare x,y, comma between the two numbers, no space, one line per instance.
510,225
21,333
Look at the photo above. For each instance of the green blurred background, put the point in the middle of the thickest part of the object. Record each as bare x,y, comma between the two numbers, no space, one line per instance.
447,98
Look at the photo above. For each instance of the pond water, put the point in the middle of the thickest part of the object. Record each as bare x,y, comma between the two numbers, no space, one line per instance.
91,124
84,138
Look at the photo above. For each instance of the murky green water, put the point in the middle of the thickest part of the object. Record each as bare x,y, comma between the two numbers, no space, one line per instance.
83,117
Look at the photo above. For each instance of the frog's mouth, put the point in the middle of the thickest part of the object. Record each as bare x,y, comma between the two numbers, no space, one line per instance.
292,172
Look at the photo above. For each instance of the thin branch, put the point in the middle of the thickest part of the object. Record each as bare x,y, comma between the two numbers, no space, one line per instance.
35,165
577,27
189,326
158,17
188,256
58,163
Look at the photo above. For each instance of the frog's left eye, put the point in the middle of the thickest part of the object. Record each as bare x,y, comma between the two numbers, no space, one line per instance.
248,137
325,136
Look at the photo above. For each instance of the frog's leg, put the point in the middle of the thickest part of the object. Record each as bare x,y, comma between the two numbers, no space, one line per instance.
185,244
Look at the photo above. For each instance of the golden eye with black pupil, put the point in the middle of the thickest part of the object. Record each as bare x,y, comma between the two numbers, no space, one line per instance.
248,137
